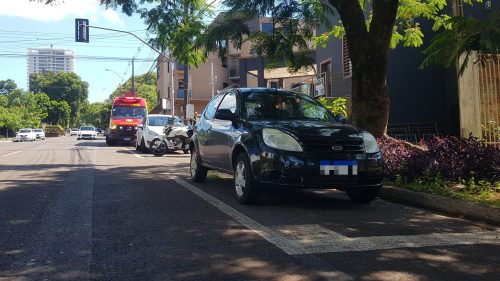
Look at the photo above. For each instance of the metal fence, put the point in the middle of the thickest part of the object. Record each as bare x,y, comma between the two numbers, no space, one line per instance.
489,91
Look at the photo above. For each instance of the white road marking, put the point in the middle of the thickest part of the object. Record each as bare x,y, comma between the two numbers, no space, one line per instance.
132,151
315,239
266,233
15,152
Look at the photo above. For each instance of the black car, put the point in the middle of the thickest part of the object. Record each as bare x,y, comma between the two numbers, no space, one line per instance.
274,137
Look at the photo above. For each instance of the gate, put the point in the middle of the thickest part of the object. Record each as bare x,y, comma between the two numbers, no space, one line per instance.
479,98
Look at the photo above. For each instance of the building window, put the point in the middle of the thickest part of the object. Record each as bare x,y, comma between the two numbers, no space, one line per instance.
346,61
267,27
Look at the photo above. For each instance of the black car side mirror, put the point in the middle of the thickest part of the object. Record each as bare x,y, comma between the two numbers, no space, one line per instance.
339,118
225,114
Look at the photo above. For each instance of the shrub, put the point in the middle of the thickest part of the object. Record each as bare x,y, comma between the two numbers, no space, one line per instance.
448,158
54,130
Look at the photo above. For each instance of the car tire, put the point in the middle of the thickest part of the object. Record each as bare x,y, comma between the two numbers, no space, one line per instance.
362,196
246,189
137,146
186,151
142,147
198,171
109,142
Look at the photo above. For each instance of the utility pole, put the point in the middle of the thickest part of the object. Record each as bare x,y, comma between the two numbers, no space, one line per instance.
212,80
186,90
133,77
172,103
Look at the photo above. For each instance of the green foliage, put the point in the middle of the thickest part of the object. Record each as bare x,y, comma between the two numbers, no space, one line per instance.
336,106
177,24
62,86
97,114
293,27
54,130
472,38
7,86
60,113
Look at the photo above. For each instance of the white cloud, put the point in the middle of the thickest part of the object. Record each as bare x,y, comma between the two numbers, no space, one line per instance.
59,10
114,17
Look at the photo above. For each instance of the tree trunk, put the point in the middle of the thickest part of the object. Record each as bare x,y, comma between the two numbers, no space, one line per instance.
368,51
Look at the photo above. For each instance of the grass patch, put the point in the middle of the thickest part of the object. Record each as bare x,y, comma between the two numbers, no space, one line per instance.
483,193
214,176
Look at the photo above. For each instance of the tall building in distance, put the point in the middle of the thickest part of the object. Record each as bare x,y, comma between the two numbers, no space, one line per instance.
41,60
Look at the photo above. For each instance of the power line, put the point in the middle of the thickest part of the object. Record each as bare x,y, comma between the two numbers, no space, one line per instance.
20,55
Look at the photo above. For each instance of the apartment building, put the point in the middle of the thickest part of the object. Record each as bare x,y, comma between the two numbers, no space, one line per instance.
41,60
208,76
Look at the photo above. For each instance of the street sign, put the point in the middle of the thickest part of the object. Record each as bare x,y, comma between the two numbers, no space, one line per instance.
190,111
82,30
165,104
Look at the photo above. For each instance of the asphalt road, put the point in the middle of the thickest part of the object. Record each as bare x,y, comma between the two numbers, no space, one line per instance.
80,210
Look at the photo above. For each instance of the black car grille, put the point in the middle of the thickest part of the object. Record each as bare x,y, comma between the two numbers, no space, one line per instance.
318,144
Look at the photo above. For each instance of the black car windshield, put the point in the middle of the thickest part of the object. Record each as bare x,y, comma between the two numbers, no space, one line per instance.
283,105
87,128
129,112
25,131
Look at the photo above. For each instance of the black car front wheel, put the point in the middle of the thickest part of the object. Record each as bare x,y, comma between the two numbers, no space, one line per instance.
247,191
362,196
198,172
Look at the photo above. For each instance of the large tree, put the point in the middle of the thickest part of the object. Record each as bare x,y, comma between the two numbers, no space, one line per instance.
62,86
371,27
97,114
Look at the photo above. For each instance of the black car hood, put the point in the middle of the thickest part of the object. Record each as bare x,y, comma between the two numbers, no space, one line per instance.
310,128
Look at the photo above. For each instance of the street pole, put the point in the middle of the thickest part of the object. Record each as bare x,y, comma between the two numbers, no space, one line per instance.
172,104
212,77
133,77
186,90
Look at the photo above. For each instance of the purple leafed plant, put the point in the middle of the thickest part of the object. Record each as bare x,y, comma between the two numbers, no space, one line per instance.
449,158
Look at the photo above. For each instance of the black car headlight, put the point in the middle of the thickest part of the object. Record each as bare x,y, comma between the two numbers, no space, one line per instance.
370,142
280,140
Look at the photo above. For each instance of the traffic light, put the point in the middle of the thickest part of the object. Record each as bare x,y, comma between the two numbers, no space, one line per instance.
82,30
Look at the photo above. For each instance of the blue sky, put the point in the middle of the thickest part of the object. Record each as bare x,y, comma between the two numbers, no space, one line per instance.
25,24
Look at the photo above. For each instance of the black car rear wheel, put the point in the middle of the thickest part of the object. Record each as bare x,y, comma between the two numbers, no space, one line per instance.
247,191
198,172
362,196
142,146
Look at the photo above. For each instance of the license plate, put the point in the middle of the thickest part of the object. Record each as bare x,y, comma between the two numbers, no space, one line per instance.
338,167
126,139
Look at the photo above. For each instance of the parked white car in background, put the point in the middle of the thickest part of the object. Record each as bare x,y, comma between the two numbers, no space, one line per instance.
87,132
73,131
39,133
25,134
152,128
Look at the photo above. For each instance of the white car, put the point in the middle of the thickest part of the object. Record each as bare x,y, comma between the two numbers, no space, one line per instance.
73,131
39,133
87,132
25,134
152,128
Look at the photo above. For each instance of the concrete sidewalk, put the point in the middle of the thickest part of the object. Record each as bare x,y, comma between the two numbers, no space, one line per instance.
449,206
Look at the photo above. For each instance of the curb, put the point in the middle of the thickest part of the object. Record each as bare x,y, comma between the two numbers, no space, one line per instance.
449,206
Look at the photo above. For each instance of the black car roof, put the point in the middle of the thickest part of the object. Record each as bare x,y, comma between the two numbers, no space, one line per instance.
261,90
